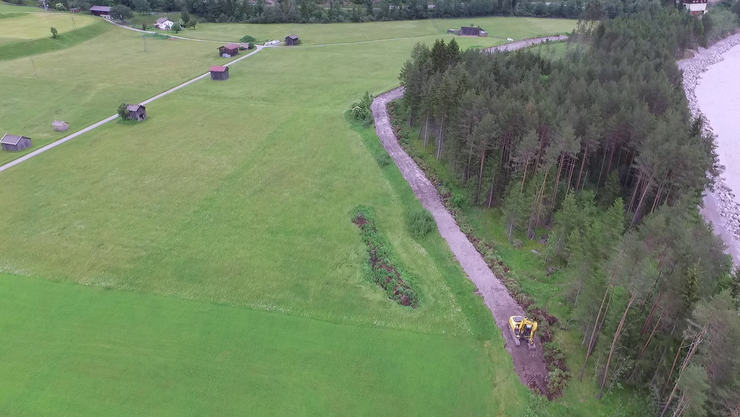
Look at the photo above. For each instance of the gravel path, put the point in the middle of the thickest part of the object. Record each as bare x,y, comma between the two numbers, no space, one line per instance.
530,365
513,46
114,117
171,36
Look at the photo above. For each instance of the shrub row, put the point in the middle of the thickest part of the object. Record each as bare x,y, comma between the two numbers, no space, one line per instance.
380,267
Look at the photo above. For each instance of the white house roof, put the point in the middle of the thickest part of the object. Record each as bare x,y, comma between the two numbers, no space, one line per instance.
162,20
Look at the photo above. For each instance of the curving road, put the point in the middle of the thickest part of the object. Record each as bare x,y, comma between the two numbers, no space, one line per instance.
529,365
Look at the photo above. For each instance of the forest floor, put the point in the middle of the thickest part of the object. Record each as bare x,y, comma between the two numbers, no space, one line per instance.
529,364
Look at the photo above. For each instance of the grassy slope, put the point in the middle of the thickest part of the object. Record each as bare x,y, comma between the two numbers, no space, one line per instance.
323,34
37,25
240,193
46,44
192,208
186,203
87,82
73,350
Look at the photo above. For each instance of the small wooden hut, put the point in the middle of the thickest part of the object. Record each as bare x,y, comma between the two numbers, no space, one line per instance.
470,31
227,51
100,11
219,73
292,40
136,112
60,126
74,10
15,143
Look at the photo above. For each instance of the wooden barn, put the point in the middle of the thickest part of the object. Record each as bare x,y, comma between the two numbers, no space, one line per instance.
14,143
100,11
136,112
227,51
60,126
470,31
219,73
292,40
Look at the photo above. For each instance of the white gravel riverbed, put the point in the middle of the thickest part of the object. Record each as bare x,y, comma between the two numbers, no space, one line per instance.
713,88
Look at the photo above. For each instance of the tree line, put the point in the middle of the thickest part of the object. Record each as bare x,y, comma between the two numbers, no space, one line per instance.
599,148
323,11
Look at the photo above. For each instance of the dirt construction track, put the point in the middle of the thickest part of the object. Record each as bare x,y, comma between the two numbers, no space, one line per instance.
529,364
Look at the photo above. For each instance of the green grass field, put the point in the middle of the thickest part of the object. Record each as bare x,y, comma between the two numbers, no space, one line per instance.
499,28
220,269
86,83
37,25
74,350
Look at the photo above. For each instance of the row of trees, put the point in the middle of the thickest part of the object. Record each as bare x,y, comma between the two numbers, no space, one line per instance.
313,11
320,11
600,148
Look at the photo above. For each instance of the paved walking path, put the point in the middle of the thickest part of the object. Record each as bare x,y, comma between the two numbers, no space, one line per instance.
114,117
512,46
529,364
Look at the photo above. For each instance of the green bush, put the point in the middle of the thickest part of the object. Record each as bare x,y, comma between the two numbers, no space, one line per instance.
421,223
459,200
384,160
123,111
361,110
247,38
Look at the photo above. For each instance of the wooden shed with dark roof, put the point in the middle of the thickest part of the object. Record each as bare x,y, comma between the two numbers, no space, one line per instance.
15,143
100,11
227,51
470,31
136,112
292,40
219,73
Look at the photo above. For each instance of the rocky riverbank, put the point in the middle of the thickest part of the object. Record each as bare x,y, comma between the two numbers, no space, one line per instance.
721,206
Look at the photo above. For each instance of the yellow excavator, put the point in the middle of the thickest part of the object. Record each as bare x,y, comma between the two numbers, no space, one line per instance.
522,328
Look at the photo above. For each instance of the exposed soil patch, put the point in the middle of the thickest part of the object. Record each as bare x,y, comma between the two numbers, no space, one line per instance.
381,269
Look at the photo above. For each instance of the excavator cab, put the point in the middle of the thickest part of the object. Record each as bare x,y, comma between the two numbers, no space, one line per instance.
521,327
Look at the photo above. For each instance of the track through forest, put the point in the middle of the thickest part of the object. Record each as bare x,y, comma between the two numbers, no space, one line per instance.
529,364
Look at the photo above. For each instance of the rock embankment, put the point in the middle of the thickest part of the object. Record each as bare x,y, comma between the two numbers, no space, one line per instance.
724,203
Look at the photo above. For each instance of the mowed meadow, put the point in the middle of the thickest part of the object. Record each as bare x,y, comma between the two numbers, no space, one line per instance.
499,29
85,83
221,271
